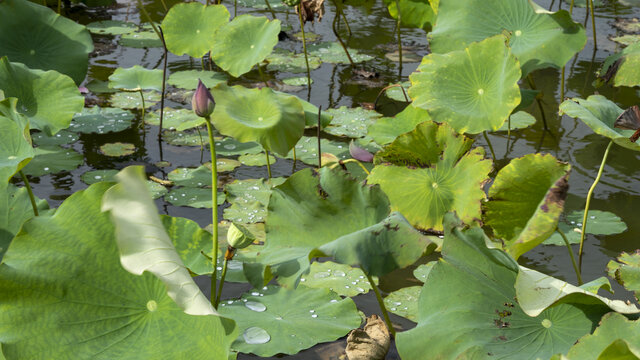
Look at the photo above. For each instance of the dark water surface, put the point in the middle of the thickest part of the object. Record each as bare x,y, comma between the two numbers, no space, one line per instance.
334,86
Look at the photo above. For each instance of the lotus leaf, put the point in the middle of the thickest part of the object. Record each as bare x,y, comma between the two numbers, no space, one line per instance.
599,113
192,197
249,199
600,223
230,146
256,159
259,4
351,122
200,176
15,148
404,302
287,61
526,200
333,215
39,93
190,241
128,100
276,320
136,78
190,28
39,38
385,130
624,40
414,13
493,323
422,272
141,39
616,338
101,120
52,160
332,52
117,149
539,39
85,296
626,271
111,27
175,119
62,137
429,172
15,210
274,121
188,79
396,93
595,285
407,56
186,138
307,150
311,113
341,279
473,90
518,120
243,43
297,81
626,65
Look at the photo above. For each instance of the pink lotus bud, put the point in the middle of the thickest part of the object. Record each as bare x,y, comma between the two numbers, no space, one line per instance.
202,101
359,153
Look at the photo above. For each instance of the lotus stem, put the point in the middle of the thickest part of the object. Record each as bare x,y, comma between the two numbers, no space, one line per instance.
143,105
571,7
335,32
533,86
201,141
573,259
231,251
264,79
593,24
293,168
586,207
508,128
399,39
273,14
164,81
356,161
30,192
562,84
146,15
346,23
214,212
304,47
319,146
235,7
385,314
268,165
486,137
375,103
59,6
164,5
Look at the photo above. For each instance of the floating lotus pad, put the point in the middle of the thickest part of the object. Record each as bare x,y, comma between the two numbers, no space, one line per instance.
599,113
470,270
274,121
626,271
256,159
307,150
539,39
297,81
192,197
111,27
136,78
396,93
526,200
625,40
311,113
431,171
185,138
39,38
190,28
62,137
175,119
351,122
111,304
422,272
117,149
243,43
627,62
141,39
259,4
229,146
414,13
387,129
600,223
517,121
276,320
339,278
101,120
332,52
200,176
188,79
39,93
52,160
287,61
404,302
473,90
128,100
95,176
249,199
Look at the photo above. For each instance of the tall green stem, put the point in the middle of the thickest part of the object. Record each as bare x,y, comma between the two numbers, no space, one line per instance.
399,38
227,256
268,164
573,259
214,208
533,87
593,25
385,314
304,45
571,7
486,137
143,106
586,207
30,192
562,84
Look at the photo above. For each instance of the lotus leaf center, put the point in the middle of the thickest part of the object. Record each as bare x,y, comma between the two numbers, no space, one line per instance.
518,33
152,305
32,52
198,31
546,323
480,91
434,185
260,118
252,46
11,157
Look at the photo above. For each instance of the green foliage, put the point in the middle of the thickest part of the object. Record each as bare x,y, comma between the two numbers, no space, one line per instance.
190,28
616,338
626,271
624,66
136,78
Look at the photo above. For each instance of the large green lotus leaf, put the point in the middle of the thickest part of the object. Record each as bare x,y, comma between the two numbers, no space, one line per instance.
230,146
117,149
287,61
422,272
331,214
256,159
190,28
61,281
404,302
274,121
599,113
141,39
627,62
15,210
39,95
429,172
332,52
193,197
111,27
311,113
15,146
62,137
413,13
537,291
136,78
615,335
474,89
132,100
190,240
249,199
518,120
626,271
175,119
243,43
387,129
351,122
101,120
276,320
200,176
144,244
600,223
339,278
539,39
467,308
307,150
188,79
41,39
526,200
52,160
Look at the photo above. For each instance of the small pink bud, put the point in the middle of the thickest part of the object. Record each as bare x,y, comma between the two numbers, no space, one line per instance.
359,153
202,101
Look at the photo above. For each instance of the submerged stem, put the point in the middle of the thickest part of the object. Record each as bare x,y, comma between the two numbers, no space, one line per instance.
385,314
573,259
30,192
214,208
143,106
268,164
544,117
586,207
486,137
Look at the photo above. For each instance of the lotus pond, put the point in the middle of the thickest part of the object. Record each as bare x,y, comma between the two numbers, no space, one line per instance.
394,179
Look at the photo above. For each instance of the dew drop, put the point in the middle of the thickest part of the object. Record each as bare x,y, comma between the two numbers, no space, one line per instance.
255,293
11,157
339,273
255,306
256,335
46,169
321,275
480,91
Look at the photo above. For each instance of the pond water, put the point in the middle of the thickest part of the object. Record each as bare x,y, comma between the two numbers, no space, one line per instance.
335,85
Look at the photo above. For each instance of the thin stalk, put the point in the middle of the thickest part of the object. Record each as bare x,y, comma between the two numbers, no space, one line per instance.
273,14
214,208
346,23
59,6
201,141
268,165
586,207
304,46
146,14
264,79
571,7
164,81
227,256
319,147
164,5
293,169
593,25
562,85
235,7
358,162
202,63
335,32
30,192
573,259
486,137
399,38
385,314
533,86
508,128
144,107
